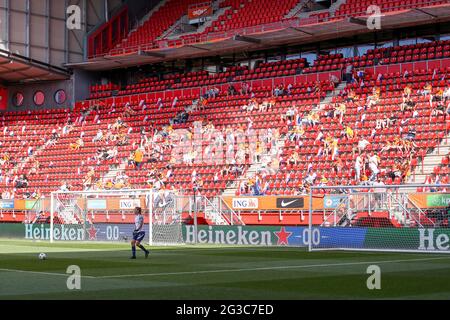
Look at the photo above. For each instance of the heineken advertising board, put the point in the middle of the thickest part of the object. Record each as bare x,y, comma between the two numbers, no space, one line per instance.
92,232
426,239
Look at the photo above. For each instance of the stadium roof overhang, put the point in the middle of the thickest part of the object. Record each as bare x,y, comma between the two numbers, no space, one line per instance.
275,37
15,68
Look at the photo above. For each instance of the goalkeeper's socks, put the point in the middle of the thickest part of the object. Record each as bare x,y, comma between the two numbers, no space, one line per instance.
143,248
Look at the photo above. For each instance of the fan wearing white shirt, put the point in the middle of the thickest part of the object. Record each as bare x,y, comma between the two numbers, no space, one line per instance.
373,165
378,190
362,144
358,165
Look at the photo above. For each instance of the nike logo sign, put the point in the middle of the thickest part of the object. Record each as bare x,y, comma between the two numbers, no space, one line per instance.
284,204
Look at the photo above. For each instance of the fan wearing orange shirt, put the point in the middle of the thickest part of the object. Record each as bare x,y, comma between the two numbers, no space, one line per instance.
138,158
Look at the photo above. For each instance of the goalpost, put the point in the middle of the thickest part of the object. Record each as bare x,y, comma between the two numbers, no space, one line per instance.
109,216
399,218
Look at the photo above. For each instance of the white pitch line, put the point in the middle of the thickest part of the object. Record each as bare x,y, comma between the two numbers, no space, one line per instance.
43,273
224,270
266,268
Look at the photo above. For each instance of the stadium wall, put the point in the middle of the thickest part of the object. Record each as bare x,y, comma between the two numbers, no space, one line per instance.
82,81
137,9
3,99
48,88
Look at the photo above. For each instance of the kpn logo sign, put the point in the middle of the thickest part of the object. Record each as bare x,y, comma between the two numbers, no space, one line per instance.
438,200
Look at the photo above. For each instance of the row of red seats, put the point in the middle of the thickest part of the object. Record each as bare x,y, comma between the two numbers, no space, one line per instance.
359,7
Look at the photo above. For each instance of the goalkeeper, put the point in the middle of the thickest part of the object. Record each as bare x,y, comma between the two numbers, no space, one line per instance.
138,233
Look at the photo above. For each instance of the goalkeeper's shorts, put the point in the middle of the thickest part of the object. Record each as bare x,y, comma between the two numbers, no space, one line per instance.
139,236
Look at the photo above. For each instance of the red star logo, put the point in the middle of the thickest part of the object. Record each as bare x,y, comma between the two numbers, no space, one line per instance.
92,233
283,236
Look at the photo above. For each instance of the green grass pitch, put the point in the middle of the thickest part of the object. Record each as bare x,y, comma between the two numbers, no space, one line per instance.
212,272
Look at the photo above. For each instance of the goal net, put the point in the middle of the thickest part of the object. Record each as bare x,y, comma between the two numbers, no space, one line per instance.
410,218
109,216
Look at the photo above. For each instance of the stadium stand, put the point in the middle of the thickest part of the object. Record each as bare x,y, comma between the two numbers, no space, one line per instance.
158,22
338,121
430,128
242,14
357,7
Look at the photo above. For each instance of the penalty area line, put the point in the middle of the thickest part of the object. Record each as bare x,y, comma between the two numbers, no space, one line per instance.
269,268
43,273
225,270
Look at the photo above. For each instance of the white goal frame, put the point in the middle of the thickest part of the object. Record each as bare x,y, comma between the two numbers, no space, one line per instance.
426,232
148,193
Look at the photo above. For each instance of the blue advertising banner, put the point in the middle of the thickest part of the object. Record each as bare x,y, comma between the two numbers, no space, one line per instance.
96,204
6,204
331,202
326,237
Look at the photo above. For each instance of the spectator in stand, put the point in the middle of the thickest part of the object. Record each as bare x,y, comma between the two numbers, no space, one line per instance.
289,89
22,182
334,80
362,144
65,187
340,110
88,179
310,178
334,148
264,105
6,195
349,133
82,118
118,124
212,92
294,158
67,128
35,168
359,164
111,153
374,160
426,90
411,135
349,72
447,112
77,144
129,111
121,181
245,88
438,110
231,90
407,105
138,158
278,91
290,113
98,136
374,99
407,93
446,94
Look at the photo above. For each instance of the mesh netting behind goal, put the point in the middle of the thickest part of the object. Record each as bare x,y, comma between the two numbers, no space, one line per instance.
166,219
380,218
109,216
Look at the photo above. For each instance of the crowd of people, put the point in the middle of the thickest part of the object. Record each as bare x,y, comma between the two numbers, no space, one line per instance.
368,166
156,144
